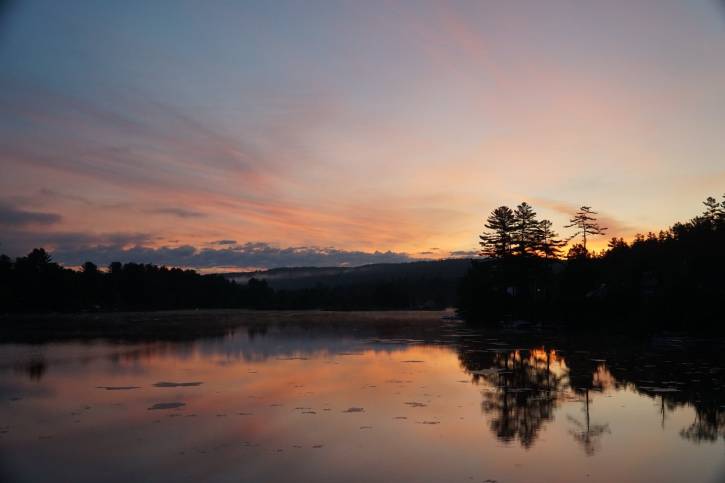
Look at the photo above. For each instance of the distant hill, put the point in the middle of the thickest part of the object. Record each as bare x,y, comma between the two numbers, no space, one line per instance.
448,270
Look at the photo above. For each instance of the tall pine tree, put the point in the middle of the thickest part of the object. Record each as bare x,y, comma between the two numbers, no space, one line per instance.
586,224
497,241
549,243
526,232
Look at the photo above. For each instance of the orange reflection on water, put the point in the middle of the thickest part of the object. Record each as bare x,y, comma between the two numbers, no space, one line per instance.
320,408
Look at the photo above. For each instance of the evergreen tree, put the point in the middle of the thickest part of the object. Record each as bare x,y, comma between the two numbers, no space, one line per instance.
497,242
577,252
617,243
527,233
89,268
586,224
712,209
39,259
549,243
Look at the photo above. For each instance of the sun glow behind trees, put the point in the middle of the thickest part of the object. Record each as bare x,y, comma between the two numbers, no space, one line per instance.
668,279
519,233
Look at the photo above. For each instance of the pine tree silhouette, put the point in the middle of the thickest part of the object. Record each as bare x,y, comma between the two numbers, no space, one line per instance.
586,224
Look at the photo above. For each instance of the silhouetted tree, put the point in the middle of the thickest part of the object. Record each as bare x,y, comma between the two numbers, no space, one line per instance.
549,243
670,278
714,211
35,283
712,208
38,259
6,281
89,268
617,243
498,241
586,224
577,252
527,234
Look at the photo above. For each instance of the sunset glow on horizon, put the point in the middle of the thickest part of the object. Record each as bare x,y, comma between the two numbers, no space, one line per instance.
254,135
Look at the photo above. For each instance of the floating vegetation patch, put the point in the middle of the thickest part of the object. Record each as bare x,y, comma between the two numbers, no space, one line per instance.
354,410
169,405
177,384
118,388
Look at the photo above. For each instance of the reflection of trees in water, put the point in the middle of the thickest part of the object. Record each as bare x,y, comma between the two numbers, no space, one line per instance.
35,368
588,375
526,386
524,393
682,373
586,433
708,426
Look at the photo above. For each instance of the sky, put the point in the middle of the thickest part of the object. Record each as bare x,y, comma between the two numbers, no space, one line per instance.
242,134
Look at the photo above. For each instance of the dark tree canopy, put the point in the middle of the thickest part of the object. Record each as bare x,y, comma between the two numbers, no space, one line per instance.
673,278
714,211
527,232
35,283
585,221
498,241
519,233
550,244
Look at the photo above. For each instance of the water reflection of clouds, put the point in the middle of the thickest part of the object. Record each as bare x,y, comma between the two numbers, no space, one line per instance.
17,390
239,347
244,345
523,389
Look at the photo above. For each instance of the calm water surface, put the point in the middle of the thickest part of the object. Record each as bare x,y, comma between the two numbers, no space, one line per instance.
426,401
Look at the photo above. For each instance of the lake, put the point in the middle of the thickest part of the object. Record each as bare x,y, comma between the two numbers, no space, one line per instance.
361,397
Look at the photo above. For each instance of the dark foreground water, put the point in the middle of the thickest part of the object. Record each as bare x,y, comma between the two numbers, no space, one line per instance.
364,400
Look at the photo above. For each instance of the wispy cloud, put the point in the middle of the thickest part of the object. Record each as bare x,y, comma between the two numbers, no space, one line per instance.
13,216
338,142
179,212
16,241
224,242
75,248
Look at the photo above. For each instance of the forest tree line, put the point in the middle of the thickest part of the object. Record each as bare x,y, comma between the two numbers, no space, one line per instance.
35,283
674,278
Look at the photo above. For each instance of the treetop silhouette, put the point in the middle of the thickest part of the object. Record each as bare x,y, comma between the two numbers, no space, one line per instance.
498,241
527,231
586,224
519,233
549,243
668,278
714,210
